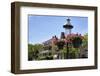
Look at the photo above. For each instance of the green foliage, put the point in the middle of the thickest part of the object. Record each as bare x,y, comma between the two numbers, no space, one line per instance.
46,57
74,52
37,47
47,47
85,40
30,52
33,51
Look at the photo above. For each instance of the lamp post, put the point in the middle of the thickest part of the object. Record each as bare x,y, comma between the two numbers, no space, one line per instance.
67,28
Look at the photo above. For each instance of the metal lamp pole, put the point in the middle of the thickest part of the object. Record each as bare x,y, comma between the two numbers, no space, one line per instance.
67,28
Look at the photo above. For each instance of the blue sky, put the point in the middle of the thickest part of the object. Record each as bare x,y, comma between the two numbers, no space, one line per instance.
42,28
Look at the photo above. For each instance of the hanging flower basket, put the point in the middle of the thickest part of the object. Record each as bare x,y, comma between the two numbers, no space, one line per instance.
60,44
77,42
75,39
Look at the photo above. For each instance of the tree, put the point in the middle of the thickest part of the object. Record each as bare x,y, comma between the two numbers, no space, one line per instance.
85,40
34,50
30,52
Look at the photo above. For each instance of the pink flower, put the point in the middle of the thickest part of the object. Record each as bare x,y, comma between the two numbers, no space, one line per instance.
54,40
68,38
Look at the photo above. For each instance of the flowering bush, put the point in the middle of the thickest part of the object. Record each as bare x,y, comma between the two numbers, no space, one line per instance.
73,36
54,40
75,39
60,44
